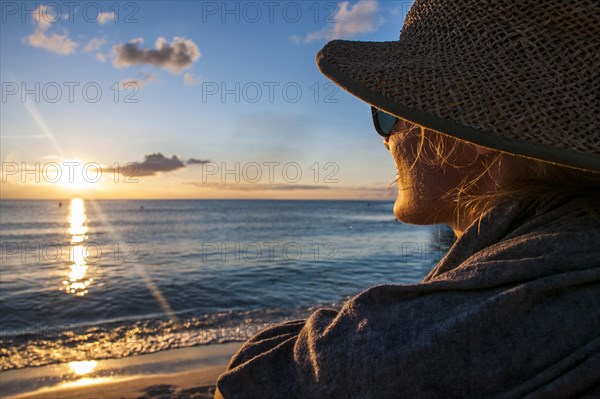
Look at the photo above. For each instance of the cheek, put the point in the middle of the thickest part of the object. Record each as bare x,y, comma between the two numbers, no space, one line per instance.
422,187
427,186
420,171
405,151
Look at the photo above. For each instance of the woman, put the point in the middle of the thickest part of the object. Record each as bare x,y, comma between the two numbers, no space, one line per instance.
490,110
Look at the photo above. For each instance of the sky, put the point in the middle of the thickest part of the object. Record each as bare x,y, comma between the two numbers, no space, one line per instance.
186,99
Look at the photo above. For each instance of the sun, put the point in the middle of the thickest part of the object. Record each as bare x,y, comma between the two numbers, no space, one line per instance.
77,175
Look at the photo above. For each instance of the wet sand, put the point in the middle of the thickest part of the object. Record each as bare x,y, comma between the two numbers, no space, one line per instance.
185,373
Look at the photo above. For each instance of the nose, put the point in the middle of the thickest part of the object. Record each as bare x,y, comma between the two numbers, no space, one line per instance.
386,142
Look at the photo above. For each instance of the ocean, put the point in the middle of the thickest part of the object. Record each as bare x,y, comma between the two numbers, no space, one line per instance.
83,279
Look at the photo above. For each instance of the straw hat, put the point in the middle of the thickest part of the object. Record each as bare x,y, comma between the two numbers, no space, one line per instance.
519,76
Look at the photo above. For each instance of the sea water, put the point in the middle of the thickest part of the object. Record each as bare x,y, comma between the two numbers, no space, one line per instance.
83,279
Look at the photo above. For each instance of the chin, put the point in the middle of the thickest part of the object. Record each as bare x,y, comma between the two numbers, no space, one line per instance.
401,212
408,211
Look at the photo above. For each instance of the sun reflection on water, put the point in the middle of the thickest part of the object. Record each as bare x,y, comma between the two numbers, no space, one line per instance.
78,279
83,367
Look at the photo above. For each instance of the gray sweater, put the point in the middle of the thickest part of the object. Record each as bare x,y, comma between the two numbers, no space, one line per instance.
513,310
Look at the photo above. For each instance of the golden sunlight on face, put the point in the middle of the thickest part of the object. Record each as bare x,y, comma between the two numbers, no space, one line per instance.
426,189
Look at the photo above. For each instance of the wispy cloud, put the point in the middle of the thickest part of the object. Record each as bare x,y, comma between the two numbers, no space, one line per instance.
190,80
193,161
106,17
49,41
94,44
143,80
25,137
291,190
176,56
55,43
351,20
43,16
260,187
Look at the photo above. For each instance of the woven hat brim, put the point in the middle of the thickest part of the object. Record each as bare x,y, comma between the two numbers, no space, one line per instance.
363,69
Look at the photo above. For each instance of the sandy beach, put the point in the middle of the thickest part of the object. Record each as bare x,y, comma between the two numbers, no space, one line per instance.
185,373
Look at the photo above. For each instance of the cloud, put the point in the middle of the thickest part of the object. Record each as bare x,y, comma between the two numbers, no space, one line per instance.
150,166
94,44
27,137
105,17
193,161
175,56
43,16
260,187
53,42
137,83
292,190
190,80
349,22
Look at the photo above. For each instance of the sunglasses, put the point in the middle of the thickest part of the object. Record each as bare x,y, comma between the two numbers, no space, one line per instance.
384,122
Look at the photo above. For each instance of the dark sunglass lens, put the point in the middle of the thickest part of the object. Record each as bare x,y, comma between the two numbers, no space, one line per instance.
386,122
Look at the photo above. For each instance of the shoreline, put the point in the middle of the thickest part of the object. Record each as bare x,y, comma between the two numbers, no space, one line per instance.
186,373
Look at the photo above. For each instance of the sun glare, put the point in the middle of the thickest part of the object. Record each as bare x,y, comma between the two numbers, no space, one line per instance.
76,175
83,367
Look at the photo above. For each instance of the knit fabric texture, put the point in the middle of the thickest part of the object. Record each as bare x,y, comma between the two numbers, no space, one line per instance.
512,310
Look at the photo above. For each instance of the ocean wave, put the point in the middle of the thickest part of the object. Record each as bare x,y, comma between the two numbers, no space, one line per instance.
67,343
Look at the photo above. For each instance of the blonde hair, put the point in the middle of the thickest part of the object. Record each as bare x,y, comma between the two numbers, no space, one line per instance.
536,180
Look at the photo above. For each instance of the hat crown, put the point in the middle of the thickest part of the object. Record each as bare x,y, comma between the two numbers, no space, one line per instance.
520,76
571,23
